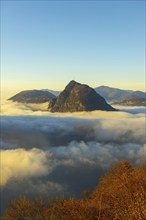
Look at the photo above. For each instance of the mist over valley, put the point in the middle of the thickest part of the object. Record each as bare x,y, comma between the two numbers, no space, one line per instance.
50,154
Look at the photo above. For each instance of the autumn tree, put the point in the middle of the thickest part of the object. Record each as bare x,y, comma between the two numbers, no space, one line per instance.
120,195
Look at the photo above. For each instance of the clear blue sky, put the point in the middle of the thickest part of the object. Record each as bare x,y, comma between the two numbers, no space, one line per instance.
45,44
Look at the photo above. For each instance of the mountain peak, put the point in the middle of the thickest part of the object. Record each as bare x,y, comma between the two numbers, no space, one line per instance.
78,97
71,84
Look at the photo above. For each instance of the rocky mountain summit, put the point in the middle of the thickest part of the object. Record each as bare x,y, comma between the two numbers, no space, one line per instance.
78,97
32,96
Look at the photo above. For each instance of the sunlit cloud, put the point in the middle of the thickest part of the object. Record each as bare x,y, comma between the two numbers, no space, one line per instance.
48,154
9,108
20,163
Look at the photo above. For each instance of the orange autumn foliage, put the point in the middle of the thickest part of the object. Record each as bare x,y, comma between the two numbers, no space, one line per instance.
120,195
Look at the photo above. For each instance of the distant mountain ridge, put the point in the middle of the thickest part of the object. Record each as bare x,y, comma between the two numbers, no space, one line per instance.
32,96
54,92
117,95
132,102
78,97
111,95
134,95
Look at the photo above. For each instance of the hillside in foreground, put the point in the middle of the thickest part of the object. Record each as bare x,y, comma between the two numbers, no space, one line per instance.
120,195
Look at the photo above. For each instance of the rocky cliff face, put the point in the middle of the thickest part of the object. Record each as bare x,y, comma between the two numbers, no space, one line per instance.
78,97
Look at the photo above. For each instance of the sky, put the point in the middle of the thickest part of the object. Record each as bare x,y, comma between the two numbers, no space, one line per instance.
45,44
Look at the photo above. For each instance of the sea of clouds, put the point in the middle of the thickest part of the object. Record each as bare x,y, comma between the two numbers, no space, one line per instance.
49,154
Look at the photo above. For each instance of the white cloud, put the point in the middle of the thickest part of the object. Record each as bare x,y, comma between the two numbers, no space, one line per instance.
47,153
19,164
10,108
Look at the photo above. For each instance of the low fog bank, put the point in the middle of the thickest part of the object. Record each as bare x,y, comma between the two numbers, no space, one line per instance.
47,154
132,110
19,164
44,132
9,108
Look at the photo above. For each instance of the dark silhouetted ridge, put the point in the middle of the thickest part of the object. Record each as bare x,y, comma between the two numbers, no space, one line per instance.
33,96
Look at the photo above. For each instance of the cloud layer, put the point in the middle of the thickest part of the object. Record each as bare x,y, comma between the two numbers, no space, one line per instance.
46,154
46,131
19,164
